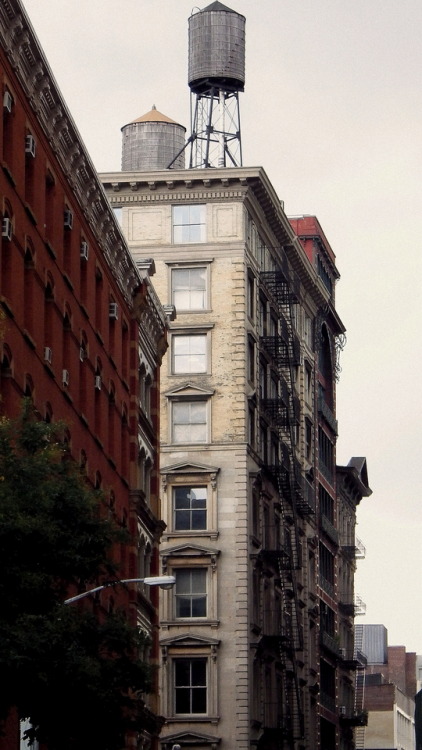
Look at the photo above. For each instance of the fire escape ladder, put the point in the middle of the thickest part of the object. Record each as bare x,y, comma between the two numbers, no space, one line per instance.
359,690
285,352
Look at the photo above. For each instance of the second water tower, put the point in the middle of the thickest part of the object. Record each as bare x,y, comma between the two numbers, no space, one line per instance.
216,75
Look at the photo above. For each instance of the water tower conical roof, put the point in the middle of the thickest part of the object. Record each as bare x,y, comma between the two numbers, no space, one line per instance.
153,116
218,6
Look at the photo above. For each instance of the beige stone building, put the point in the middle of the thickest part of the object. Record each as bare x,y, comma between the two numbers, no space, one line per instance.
255,649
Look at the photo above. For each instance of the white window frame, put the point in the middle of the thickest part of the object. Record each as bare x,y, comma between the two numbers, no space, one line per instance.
194,575
191,659
189,223
190,475
189,647
190,510
190,291
190,402
190,556
176,358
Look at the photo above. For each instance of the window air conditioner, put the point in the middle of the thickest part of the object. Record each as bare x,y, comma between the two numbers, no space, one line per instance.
82,353
65,377
98,382
7,101
342,710
84,250
6,228
30,145
68,219
113,310
48,354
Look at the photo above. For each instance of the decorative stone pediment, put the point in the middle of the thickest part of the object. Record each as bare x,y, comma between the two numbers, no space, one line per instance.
189,550
189,468
189,390
186,739
189,641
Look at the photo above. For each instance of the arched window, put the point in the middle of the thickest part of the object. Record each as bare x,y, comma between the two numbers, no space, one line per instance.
6,248
124,442
48,314
28,388
325,364
111,419
83,371
67,345
29,268
98,398
48,413
6,371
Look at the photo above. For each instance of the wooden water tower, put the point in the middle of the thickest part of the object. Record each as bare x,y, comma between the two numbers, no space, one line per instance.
216,75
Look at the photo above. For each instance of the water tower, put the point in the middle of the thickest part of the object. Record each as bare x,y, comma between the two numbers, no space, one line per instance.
151,141
216,75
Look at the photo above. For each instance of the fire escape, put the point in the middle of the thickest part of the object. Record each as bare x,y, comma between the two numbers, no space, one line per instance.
297,500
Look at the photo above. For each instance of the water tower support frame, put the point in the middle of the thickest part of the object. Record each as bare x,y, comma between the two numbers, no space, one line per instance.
215,129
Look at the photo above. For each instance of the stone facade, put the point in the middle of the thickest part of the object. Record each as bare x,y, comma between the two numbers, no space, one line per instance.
251,639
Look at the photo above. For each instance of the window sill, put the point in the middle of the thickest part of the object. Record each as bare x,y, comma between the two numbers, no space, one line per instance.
183,622
197,718
190,534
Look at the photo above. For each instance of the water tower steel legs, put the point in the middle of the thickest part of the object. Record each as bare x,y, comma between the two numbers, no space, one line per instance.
216,130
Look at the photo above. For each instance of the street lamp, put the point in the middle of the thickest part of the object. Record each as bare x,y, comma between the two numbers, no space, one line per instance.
165,582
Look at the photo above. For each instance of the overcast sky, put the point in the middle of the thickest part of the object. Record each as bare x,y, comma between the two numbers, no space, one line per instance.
332,110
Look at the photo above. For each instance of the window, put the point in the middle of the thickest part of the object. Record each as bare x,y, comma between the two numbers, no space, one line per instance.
308,331
190,683
251,360
326,455
251,296
189,288
251,425
262,317
308,439
189,422
191,592
308,383
189,353
190,508
188,224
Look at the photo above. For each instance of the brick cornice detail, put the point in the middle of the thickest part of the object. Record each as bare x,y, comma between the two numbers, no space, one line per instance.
32,70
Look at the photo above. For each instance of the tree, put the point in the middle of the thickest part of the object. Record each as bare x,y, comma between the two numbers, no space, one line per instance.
76,677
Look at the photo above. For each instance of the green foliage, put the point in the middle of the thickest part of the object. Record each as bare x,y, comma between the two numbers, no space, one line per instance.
78,680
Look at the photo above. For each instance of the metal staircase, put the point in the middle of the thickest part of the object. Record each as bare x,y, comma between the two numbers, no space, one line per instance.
283,348
359,690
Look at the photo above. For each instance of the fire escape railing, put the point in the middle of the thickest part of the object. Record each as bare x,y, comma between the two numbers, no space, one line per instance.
297,496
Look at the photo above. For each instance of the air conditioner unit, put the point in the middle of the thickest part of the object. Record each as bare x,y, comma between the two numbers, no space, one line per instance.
342,653
82,353
65,377
342,710
84,250
98,382
48,354
113,310
68,219
7,101
30,145
6,228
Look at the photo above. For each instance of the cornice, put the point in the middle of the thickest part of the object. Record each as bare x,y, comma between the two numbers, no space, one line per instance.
31,68
247,184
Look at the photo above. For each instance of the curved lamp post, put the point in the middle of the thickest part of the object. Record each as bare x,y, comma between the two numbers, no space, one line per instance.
165,582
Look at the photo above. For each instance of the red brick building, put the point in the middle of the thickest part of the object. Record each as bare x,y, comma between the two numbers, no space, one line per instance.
83,332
